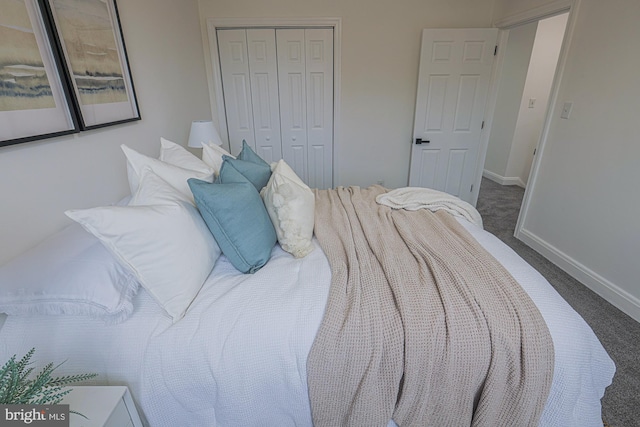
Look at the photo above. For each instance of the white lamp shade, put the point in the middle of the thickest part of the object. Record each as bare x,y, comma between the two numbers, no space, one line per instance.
203,131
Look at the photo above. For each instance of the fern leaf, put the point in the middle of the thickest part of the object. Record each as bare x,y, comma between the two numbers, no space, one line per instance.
17,386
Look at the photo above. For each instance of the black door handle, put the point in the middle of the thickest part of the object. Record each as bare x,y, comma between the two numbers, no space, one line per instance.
421,141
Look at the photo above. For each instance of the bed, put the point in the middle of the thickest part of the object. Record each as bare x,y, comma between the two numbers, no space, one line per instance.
238,355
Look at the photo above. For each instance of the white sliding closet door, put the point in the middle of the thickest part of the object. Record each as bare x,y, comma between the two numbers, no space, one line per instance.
278,94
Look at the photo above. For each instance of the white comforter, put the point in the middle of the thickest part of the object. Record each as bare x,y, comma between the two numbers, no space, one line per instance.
238,357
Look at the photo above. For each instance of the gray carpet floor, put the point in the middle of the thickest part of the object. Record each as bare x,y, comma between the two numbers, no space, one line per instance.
619,334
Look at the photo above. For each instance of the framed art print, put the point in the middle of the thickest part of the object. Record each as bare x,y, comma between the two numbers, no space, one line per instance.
35,101
90,39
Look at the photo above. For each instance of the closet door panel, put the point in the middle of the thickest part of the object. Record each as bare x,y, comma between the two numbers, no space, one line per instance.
263,69
319,78
234,67
278,91
293,102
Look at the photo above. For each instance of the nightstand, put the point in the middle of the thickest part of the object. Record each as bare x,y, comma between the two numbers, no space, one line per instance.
105,406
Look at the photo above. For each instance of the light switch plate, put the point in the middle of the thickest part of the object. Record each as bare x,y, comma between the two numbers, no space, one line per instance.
566,110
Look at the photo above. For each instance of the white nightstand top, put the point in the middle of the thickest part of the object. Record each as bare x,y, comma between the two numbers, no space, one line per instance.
99,403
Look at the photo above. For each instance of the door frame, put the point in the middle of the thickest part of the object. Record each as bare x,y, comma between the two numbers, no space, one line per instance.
504,25
214,75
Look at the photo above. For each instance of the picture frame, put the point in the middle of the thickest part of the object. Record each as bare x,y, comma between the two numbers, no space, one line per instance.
89,37
35,100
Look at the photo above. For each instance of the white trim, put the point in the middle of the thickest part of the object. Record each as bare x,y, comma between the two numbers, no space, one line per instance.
551,110
617,296
546,10
612,293
504,180
215,77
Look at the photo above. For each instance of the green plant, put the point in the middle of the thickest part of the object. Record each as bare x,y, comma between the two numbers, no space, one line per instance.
17,388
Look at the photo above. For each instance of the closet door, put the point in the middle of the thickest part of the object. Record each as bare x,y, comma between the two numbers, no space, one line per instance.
236,86
305,76
278,94
263,70
319,48
250,86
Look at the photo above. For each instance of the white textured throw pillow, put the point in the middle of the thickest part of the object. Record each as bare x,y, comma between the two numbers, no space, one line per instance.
165,242
174,175
177,155
291,206
212,156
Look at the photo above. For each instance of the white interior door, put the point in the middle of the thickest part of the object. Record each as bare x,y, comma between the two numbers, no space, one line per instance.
453,84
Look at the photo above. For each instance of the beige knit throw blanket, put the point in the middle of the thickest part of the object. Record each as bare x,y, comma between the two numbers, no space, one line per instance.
422,325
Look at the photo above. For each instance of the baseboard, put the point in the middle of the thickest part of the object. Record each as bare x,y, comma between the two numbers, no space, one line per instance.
502,180
617,296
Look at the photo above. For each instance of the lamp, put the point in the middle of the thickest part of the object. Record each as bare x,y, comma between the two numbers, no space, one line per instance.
202,132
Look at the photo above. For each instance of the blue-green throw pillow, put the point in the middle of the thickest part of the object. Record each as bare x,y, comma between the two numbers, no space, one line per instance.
249,155
257,174
229,175
238,220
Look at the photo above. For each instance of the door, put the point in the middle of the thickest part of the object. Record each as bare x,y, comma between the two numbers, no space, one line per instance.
278,96
453,85
250,87
305,75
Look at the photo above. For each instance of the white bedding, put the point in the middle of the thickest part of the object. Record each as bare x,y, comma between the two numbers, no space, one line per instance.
238,356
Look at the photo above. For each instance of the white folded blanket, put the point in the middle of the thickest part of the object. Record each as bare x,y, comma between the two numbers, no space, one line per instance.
414,198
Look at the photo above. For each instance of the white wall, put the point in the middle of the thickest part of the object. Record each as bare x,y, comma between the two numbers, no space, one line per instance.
583,204
513,76
542,67
380,56
40,180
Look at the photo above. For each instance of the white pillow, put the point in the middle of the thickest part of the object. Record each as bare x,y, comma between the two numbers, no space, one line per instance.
154,190
69,273
291,206
177,155
164,242
212,156
174,175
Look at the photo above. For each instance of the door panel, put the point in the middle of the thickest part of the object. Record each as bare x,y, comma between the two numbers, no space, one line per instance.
278,90
292,87
457,164
263,69
319,77
453,84
234,66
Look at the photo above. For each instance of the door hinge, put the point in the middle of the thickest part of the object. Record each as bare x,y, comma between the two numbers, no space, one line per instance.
482,127
471,188
495,50
534,151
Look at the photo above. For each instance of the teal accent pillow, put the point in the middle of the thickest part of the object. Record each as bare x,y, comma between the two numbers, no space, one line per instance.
257,174
238,220
249,155
229,174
